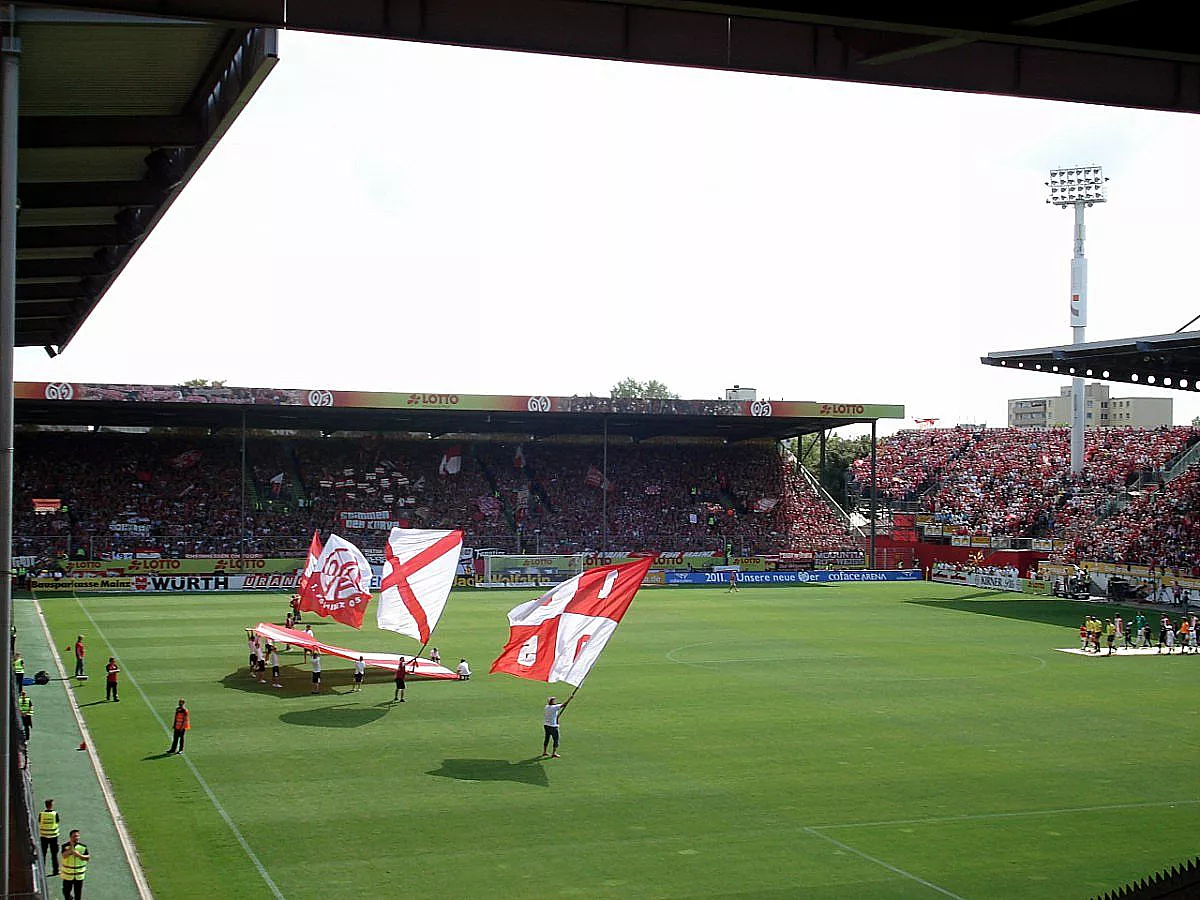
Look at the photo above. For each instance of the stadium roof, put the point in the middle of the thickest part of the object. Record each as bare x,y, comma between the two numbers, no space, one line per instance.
61,403
1163,360
1114,52
117,114
123,99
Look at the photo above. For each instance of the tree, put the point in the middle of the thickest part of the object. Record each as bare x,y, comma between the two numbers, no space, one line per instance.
631,388
202,382
839,453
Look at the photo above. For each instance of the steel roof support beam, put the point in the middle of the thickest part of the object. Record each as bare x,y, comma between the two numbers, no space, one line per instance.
51,236
59,293
66,269
51,195
41,132
10,56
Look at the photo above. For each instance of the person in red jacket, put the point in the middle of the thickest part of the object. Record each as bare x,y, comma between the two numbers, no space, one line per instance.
181,725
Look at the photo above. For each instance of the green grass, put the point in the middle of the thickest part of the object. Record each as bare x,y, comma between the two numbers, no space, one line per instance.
844,741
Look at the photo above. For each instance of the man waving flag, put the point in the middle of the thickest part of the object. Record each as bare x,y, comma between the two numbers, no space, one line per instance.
418,572
340,584
559,636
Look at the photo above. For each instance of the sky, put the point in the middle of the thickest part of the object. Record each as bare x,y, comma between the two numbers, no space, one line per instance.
389,216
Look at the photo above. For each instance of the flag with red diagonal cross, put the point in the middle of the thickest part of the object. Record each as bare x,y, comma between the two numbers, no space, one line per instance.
559,635
418,572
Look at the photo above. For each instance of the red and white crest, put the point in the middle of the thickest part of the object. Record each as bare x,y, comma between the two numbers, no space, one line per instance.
338,583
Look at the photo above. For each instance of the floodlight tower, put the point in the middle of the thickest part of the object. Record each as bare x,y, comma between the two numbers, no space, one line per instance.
1080,188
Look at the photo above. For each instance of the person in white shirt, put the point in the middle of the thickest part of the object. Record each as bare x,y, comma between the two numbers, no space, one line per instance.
464,671
550,720
316,671
360,669
273,655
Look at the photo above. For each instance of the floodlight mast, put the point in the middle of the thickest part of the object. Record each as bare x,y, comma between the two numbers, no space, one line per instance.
1079,187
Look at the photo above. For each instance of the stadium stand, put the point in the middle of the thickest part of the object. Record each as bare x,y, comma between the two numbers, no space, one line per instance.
1159,528
185,494
1017,482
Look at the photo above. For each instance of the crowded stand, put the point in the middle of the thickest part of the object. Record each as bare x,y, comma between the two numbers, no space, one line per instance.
1017,482
1160,528
117,492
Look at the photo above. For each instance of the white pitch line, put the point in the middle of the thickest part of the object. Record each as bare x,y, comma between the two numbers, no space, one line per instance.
983,817
110,800
262,870
880,862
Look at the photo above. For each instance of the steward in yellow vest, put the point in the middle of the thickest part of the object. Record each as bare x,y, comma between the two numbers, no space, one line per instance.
25,706
48,832
74,866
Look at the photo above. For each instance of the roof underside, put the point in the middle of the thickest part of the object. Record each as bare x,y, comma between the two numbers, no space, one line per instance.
1165,360
116,117
117,113
1114,52
435,422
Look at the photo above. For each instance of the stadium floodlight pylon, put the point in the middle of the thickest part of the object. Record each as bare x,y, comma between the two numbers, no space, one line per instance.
1079,187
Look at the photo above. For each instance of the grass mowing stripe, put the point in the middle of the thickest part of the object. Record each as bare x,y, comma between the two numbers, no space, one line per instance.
880,862
983,817
262,870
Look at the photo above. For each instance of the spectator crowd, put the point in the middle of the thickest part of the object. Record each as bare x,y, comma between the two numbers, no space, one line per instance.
213,495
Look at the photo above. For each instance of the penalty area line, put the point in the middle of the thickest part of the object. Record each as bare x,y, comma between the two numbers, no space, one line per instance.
262,870
886,865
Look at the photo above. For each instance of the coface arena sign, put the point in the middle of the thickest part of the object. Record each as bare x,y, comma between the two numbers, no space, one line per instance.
816,576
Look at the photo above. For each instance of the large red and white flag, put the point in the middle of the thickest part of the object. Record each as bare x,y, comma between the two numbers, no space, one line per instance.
310,566
340,586
418,572
414,666
559,636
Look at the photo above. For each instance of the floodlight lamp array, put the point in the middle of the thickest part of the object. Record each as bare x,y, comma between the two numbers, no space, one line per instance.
1079,185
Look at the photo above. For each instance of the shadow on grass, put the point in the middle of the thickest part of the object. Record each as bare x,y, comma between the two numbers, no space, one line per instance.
341,715
1048,611
525,771
162,755
297,682
95,703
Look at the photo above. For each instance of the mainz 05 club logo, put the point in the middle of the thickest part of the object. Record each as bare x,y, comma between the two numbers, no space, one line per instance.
539,404
320,398
59,390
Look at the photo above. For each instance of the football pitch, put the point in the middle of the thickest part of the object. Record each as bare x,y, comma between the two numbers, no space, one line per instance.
843,741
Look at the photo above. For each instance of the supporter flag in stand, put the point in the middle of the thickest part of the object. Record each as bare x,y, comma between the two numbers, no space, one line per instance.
519,457
277,485
186,459
559,636
339,586
451,463
594,477
418,572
